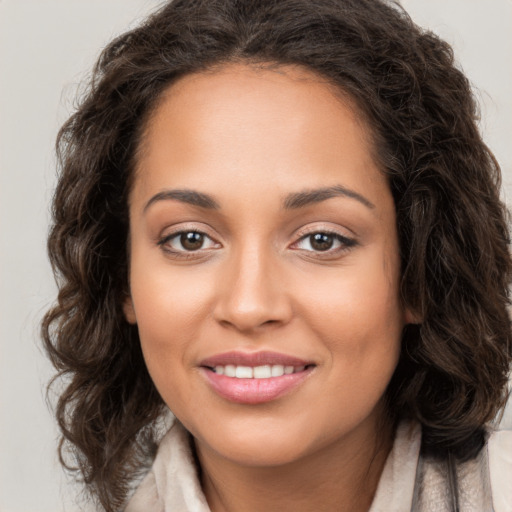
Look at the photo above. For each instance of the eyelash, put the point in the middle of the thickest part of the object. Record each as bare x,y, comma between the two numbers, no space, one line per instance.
183,254
346,244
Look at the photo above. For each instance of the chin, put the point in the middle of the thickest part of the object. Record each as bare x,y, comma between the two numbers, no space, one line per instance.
259,451
250,442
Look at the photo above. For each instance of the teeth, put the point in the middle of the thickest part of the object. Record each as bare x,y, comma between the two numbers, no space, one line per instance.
262,372
257,372
230,370
243,372
277,370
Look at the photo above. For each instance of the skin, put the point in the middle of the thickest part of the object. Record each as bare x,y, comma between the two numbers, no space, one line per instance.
250,137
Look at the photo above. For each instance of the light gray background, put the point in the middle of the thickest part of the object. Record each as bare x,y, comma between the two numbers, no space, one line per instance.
46,46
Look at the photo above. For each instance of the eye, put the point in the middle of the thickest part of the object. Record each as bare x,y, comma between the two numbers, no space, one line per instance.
187,241
324,241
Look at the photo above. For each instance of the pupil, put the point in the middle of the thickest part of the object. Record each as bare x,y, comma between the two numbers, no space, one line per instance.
321,241
191,240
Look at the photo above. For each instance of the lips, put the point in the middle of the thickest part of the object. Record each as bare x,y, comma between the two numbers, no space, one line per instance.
253,359
254,378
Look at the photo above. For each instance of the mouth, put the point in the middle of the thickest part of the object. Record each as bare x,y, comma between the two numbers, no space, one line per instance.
254,378
257,372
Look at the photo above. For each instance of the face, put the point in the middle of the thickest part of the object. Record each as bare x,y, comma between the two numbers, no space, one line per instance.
264,264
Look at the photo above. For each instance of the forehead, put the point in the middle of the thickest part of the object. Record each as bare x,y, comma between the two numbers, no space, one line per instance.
256,125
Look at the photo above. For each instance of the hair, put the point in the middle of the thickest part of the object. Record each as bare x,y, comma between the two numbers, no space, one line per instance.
452,227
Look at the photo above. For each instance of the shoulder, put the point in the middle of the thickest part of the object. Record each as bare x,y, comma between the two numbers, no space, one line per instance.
499,447
146,496
479,484
172,483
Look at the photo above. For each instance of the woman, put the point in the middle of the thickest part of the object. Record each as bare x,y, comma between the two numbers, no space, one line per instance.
278,221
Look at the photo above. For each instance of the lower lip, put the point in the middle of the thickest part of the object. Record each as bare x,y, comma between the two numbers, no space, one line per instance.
254,391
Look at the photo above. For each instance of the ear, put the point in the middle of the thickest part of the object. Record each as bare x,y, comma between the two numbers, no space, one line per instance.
129,310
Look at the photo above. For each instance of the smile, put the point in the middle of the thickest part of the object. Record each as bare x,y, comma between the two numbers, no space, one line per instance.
254,378
258,372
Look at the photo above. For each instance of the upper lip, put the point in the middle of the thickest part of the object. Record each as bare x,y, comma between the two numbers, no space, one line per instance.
253,359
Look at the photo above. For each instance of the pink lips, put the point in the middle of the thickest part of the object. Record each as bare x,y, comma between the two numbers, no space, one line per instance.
253,359
254,391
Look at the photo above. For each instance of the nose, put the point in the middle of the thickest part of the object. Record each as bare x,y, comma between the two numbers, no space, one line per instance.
251,292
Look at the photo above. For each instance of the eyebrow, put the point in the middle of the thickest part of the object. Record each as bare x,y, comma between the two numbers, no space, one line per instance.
291,202
185,196
307,197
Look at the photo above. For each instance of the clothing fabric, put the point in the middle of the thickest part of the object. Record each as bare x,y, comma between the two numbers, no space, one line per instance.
409,482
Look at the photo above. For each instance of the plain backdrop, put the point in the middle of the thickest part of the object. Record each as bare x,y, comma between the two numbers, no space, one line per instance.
46,48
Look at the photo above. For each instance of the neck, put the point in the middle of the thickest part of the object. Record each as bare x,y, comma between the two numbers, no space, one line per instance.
341,476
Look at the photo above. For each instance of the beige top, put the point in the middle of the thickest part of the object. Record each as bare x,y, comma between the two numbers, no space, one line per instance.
408,481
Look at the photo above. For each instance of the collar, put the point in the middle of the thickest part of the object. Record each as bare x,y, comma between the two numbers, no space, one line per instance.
173,484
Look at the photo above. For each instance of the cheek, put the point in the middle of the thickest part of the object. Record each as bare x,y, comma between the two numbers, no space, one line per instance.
166,324
167,299
358,315
168,307
357,299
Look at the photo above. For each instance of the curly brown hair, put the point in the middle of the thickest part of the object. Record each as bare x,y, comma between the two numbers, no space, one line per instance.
445,182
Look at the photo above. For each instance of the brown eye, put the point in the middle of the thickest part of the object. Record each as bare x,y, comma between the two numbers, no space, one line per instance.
321,241
192,240
187,242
